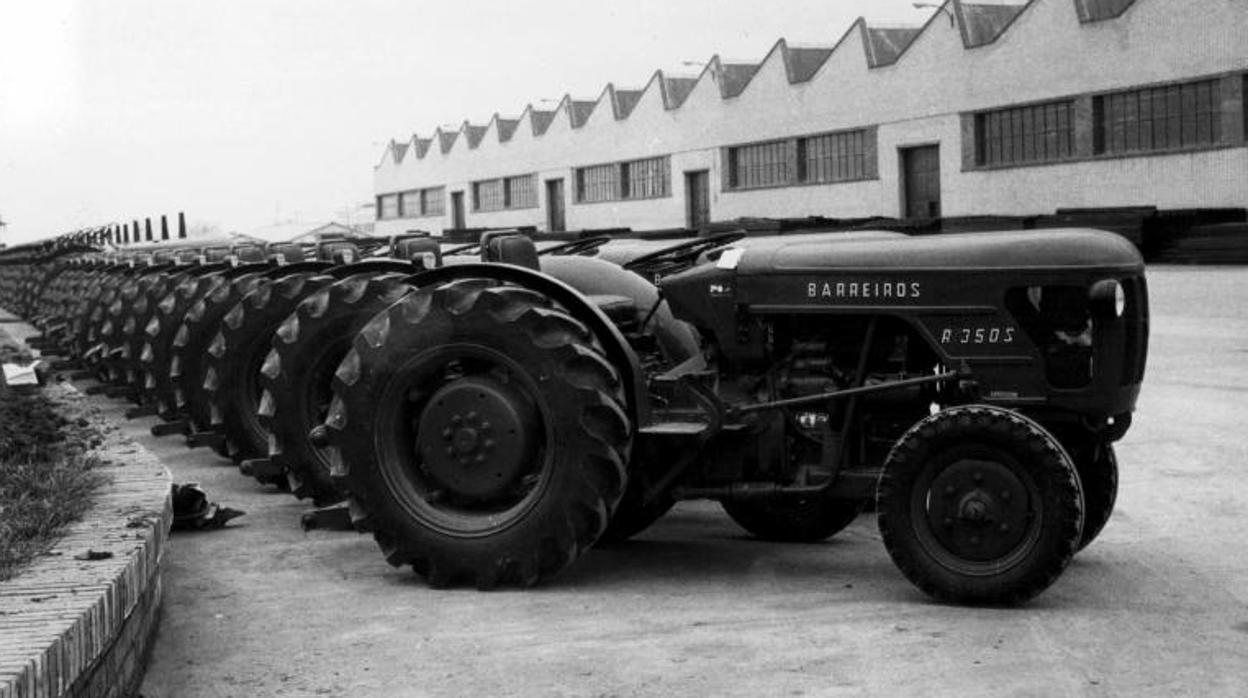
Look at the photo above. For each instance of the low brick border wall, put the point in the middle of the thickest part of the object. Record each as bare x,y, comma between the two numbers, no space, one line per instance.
71,625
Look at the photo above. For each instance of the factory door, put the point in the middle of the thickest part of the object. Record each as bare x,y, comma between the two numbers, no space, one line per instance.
920,181
698,198
457,210
555,221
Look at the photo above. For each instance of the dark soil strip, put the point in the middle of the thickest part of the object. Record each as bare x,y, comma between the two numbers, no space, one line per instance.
46,476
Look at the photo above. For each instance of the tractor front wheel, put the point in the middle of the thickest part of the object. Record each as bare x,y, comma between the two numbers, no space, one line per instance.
980,505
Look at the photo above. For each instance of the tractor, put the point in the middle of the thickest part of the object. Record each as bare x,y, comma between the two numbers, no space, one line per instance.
499,419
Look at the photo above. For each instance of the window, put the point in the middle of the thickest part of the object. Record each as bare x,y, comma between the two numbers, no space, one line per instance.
597,183
387,206
409,204
833,157
520,192
1025,135
759,165
1158,118
487,195
433,201
646,179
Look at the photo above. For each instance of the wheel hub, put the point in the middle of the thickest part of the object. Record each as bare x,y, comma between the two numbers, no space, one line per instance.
475,438
978,509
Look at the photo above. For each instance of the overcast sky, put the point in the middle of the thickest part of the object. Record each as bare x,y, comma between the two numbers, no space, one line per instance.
243,113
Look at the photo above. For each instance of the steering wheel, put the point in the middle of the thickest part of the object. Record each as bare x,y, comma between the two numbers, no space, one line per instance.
583,247
669,260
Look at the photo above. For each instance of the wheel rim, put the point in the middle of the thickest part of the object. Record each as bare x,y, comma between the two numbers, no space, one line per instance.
461,440
318,393
976,510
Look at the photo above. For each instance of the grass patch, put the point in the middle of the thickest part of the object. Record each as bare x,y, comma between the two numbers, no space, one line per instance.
46,478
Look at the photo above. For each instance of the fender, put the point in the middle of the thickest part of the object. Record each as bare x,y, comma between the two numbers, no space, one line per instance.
619,353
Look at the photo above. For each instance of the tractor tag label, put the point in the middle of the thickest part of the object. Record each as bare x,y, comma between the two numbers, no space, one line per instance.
864,290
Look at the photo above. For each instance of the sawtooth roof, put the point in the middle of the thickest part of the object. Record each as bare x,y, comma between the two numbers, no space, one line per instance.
979,23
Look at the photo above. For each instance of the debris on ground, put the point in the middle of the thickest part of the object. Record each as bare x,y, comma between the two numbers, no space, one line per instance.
193,512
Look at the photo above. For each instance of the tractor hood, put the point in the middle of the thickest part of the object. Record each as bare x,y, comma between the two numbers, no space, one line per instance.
1022,250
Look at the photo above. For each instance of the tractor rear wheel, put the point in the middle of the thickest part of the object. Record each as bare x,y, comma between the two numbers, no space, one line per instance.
298,373
804,519
236,355
980,505
482,434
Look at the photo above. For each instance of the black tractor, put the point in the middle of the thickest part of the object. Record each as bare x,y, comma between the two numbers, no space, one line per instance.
497,421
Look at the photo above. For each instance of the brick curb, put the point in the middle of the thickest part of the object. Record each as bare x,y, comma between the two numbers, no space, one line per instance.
70,626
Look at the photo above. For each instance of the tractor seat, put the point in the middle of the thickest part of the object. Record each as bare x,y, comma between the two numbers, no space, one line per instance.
619,309
422,252
511,249
290,252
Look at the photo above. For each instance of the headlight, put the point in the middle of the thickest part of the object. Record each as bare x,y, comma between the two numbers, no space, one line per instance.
1108,296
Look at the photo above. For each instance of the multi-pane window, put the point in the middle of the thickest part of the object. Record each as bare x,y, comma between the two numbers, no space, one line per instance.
597,183
833,157
433,201
646,179
759,165
823,158
487,195
1024,135
409,203
387,206
503,193
1158,118
520,192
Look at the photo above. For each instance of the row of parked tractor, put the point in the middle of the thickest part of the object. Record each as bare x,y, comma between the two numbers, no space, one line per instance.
491,410
234,346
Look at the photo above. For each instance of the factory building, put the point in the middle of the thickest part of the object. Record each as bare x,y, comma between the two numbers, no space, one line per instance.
1003,108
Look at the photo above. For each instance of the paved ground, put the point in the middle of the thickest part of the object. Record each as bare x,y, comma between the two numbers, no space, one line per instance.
1158,605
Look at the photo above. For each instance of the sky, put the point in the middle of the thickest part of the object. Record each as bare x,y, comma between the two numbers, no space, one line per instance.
248,113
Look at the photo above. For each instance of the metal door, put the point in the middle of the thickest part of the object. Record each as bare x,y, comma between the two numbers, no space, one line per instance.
920,181
555,220
457,210
698,199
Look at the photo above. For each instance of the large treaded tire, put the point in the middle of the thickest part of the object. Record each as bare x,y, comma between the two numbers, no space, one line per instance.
980,505
236,355
190,347
156,357
298,373
135,328
804,519
565,459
